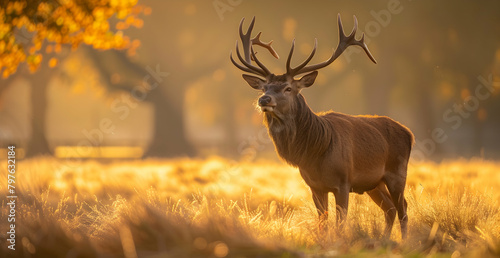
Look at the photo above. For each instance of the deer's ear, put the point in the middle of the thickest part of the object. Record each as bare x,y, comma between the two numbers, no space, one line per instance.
254,82
307,80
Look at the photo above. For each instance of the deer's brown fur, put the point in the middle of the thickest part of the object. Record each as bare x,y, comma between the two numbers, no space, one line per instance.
334,152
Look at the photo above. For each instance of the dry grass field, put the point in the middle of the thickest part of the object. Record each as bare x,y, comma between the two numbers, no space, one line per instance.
218,208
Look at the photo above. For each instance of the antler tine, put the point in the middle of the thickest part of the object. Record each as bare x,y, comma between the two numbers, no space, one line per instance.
362,43
257,41
353,32
259,63
341,28
344,42
289,59
292,71
245,38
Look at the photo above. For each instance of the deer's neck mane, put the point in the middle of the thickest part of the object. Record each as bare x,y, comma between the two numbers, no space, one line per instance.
300,137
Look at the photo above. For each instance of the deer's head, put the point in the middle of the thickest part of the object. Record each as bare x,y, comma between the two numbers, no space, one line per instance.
280,91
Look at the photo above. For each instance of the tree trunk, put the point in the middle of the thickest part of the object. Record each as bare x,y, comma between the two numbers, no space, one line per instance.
169,138
38,144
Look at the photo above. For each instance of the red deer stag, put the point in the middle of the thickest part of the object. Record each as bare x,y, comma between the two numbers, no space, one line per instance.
334,152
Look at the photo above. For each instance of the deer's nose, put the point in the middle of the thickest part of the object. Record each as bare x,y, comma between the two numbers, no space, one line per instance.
264,100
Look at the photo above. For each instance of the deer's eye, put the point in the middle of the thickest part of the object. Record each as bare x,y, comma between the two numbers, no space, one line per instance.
288,89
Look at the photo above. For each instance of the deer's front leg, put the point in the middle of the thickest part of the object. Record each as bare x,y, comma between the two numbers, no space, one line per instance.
320,199
342,203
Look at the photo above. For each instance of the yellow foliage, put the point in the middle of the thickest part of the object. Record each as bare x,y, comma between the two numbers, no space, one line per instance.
75,25
53,62
138,23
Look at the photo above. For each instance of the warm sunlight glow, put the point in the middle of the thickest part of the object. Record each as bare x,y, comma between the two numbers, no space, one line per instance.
98,152
133,128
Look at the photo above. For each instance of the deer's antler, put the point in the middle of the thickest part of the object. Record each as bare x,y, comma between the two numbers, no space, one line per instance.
250,54
344,42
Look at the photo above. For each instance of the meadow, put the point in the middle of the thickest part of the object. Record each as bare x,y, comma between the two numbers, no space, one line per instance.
215,207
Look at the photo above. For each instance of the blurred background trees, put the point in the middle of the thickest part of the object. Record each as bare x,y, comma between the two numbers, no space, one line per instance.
35,32
430,55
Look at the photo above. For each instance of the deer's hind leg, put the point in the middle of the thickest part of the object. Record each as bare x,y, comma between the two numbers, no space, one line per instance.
396,185
380,195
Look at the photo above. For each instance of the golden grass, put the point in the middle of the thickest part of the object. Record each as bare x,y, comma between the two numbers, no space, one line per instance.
217,208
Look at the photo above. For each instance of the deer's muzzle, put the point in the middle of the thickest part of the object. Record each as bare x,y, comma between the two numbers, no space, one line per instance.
264,100
266,103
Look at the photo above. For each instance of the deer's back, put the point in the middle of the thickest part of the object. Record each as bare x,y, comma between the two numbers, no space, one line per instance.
371,142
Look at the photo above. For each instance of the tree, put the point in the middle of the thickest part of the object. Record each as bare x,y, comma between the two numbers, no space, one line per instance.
168,139
30,30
